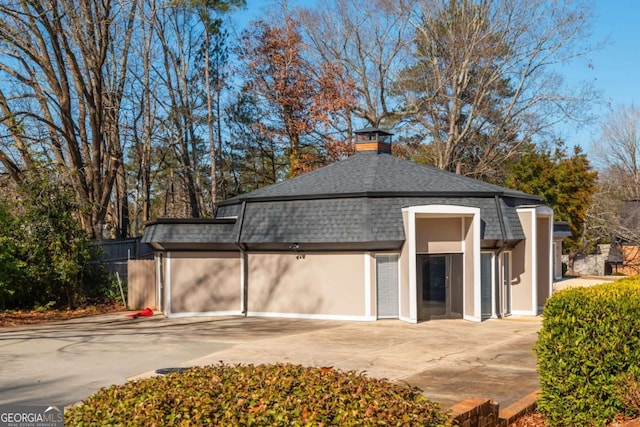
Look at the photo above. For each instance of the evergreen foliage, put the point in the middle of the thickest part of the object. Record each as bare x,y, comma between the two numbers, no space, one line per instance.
587,349
566,184
46,258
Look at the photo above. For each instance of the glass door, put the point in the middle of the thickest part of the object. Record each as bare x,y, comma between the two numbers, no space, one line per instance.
439,286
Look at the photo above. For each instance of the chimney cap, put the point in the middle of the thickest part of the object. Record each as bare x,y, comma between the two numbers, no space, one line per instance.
372,130
373,139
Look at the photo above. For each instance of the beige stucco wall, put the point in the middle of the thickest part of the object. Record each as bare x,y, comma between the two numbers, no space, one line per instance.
205,282
522,266
331,284
544,245
439,235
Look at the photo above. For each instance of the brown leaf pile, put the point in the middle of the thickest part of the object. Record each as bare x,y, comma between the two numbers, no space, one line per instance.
538,420
531,420
31,317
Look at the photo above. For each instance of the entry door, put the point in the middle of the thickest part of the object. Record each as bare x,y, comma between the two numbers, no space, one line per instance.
439,286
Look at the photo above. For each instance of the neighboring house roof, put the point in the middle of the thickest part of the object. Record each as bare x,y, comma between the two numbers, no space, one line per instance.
561,230
356,203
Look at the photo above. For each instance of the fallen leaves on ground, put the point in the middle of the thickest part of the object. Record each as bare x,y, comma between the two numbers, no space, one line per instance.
538,420
30,317
531,420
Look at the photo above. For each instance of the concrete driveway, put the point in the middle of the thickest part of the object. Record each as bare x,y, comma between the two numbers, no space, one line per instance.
450,360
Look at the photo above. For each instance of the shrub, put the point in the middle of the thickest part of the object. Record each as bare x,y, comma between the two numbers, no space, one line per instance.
258,395
45,255
590,337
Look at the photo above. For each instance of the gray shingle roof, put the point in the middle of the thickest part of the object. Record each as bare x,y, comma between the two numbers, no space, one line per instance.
369,173
357,220
170,232
356,203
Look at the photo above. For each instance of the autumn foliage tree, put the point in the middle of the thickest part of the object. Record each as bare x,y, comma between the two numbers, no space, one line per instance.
296,104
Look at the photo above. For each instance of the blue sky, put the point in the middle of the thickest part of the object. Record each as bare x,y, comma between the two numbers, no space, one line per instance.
616,66
614,69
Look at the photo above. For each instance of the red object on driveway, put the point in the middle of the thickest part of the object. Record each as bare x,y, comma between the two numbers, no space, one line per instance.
146,312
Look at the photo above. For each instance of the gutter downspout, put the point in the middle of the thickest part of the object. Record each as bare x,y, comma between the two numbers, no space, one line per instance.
503,246
243,262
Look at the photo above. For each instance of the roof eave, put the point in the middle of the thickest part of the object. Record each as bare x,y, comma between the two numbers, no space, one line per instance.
162,221
377,194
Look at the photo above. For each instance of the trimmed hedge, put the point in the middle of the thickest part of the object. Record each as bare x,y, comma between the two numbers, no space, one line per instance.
258,395
589,342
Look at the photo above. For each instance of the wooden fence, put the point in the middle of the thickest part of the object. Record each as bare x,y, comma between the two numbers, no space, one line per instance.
141,284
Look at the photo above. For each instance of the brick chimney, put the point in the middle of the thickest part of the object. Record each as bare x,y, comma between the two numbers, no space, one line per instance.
373,139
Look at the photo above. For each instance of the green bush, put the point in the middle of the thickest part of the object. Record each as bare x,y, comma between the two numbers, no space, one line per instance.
45,255
258,395
590,339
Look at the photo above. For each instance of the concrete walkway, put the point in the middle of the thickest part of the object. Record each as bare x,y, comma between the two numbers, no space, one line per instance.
587,281
62,363
450,360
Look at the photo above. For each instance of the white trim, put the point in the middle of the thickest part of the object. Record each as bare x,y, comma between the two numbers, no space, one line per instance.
534,262
551,260
545,211
407,320
523,313
367,286
204,314
494,286
243,299
508,255
477,290
312,316
399,255
167,285
413,287
158,259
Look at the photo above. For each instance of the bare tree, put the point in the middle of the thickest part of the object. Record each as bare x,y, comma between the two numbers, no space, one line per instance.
65,65
143,123
614,215
370,40
617,150
483,80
